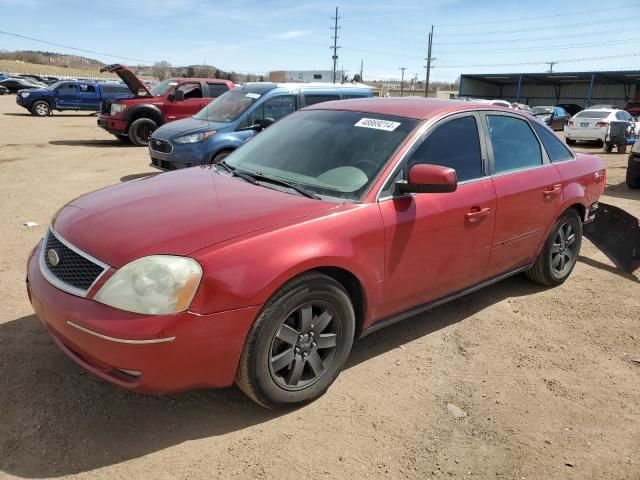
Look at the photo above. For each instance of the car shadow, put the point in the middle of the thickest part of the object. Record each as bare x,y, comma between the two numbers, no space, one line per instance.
91,143
58,114
621,190
608,268
58,419
135,176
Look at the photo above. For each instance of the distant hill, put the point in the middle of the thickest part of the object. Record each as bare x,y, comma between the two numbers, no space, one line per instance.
52,59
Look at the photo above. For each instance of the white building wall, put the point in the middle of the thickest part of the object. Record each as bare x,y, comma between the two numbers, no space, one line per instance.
311,76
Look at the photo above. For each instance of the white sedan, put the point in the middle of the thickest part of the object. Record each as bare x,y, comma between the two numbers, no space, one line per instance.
591,124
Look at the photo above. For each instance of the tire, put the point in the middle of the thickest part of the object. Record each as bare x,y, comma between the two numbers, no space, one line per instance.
218,157
633,178
140,131
41,109
544,270
622,148
278,362
570,141
608,147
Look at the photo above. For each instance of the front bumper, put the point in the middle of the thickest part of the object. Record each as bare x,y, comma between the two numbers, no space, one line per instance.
182,156
115,126
145,353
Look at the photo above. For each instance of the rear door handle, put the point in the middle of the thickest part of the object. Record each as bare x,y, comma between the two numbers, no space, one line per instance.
476,214
552,190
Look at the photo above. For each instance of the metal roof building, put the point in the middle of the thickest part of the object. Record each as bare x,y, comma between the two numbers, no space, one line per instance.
582,88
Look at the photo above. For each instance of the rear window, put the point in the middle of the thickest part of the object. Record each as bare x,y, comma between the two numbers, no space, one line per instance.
592,114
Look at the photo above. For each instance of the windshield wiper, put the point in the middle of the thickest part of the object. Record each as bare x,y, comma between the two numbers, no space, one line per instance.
236,173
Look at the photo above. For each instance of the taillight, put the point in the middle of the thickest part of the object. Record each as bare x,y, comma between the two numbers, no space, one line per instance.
570,122
602,124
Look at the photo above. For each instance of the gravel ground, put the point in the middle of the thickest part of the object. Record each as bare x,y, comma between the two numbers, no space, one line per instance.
514,381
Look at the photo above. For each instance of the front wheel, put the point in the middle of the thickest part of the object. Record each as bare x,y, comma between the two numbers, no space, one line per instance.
298,344
560,252
633,176
41,109
217,158
140,131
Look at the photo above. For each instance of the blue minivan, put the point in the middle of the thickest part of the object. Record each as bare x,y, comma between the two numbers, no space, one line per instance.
235,117
71,95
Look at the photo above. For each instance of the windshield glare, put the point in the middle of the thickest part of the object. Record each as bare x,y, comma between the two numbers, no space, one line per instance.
228,106
331,153
163,87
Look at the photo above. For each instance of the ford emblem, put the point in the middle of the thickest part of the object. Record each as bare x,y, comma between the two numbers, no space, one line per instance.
53,257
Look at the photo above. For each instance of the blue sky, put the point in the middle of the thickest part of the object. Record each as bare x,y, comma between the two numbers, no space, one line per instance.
258,36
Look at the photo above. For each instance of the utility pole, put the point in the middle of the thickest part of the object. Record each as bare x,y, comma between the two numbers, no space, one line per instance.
426,81
551,64
402,80
361,68
335,46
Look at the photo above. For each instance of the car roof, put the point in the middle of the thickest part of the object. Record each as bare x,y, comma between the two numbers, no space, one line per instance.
262,87
418,108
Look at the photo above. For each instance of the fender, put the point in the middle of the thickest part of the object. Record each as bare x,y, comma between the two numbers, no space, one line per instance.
144,110
247,271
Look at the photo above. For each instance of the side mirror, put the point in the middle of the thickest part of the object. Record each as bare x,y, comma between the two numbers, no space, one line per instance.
178,96
424,178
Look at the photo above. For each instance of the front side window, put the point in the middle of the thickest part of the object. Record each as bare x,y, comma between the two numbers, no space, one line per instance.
319,98
514,145
556,149
455,144
67,88
329,152
163,87
191,90
274,108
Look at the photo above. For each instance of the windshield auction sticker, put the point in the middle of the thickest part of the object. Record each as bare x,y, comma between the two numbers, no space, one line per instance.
377,124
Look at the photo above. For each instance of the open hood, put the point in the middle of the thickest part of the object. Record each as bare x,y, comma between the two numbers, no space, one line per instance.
137,86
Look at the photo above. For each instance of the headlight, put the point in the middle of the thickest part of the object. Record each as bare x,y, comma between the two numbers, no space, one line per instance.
117,108
194,138
155,285
24,94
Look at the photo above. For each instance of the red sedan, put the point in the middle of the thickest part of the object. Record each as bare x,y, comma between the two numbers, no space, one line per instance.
338,220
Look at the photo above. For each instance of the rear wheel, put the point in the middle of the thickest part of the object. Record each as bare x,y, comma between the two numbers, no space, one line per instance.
41,108
560,252
298,344
622,148
140,131
633,177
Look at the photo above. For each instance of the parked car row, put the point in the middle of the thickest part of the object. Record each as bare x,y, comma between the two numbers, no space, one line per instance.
592,124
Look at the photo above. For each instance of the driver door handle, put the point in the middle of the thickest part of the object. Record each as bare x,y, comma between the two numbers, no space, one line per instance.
476,214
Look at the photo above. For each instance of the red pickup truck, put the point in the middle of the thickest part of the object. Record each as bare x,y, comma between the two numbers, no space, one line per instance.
135,119
338,220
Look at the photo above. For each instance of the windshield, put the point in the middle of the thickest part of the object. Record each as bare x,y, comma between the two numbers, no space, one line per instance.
542,110
331,153
163,87
592,114
228,106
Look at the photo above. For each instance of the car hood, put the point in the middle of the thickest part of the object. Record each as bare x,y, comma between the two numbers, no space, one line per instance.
186,126
175,213
129,78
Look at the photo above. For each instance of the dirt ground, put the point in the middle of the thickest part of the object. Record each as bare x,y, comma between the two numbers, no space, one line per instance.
545,376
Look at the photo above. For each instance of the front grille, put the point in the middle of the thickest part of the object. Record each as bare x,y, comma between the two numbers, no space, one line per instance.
68,268
161,146
164,165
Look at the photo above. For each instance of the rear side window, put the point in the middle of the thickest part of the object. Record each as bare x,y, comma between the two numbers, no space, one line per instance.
454,144
514,145
624,116
313,99
217,89
87,89
555,148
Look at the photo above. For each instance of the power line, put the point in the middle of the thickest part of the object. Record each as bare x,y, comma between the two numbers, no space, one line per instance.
524,19
553,37
531,49
11,34
571,60
530,29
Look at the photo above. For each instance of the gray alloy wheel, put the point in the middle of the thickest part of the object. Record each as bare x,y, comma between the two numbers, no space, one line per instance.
41,109
298,343
560,251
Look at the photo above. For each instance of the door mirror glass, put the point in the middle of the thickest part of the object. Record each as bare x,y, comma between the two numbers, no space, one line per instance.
424,178
178,96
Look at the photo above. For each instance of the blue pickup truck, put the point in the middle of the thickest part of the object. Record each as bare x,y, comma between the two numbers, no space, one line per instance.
70,95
